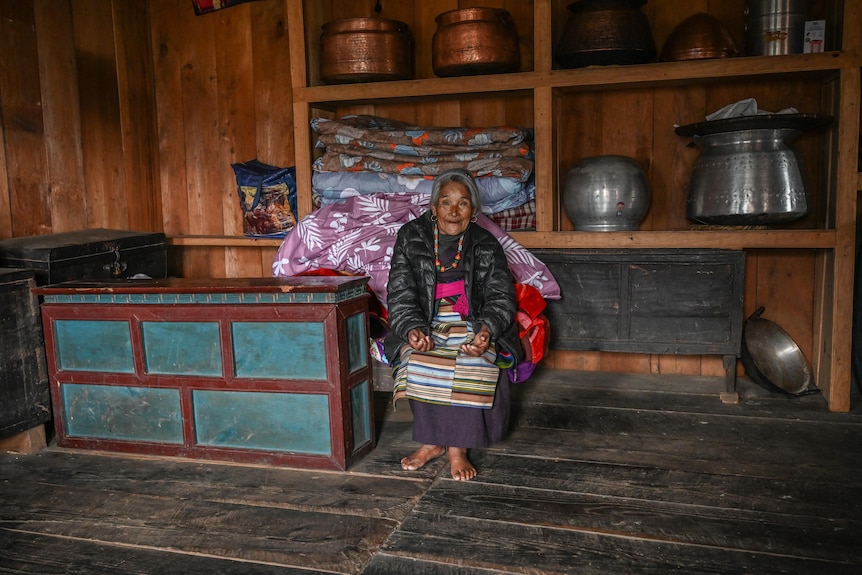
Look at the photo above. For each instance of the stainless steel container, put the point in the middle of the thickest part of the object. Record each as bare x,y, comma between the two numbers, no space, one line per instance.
606,193
746,177
775,27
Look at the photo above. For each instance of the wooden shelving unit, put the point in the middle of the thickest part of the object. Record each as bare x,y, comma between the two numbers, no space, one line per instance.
631,110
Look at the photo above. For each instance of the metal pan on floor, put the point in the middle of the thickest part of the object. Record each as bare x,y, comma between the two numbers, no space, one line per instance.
772,358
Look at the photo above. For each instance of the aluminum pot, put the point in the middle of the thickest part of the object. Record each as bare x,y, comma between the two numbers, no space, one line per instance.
603,32
365,50
474,41
746,177
606,193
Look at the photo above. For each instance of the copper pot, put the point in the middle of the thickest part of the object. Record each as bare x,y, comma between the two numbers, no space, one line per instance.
475,41
700,36
603,32
365,50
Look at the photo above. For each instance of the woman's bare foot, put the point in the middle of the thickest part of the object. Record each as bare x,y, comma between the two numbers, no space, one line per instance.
462,469
421,456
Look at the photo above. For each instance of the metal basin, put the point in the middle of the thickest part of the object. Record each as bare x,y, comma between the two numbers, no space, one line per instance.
770,356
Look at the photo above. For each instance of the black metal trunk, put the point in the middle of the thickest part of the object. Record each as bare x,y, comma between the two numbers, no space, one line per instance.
96,254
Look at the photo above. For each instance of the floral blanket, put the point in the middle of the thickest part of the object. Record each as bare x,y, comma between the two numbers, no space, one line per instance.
375,144
358,236
496,194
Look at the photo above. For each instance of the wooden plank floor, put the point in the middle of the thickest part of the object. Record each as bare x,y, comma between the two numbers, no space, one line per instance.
602,473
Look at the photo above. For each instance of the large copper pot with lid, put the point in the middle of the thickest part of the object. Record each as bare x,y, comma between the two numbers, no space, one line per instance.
603,32
475,41
365,50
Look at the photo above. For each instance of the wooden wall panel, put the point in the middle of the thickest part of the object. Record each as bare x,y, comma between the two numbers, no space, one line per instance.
273,100
62,118
5,206
137,115
78,117
222,95
235,98
23,128
168,25
786,283
104,169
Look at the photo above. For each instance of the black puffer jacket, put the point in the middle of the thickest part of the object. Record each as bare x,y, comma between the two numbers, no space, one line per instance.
412,281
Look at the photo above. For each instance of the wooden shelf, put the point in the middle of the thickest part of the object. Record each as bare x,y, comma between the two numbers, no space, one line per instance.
719,239
584,102
699,71
223,241
594,77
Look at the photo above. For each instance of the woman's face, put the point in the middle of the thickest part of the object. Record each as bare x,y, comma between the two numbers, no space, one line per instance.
453,209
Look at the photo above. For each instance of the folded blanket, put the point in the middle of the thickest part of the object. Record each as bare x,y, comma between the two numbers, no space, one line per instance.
496,194
374,131
518,168
519,218
423,154
358,236
375,144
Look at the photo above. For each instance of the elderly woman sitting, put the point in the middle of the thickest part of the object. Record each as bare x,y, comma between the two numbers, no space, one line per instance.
451,301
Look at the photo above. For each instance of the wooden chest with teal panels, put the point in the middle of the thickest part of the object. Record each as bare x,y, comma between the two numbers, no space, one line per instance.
266,370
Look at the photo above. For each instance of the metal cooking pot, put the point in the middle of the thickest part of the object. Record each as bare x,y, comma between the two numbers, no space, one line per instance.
365,50
603,32
475,41
700,36
775,27
606,193
747,177
771,357
747,172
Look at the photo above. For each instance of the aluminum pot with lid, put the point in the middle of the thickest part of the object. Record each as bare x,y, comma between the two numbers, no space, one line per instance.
746,177
747,172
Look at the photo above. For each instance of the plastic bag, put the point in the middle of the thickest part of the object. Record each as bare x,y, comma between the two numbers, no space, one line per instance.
267,196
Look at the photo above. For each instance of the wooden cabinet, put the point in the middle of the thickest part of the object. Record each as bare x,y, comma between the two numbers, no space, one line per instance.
270,371
24,400
679,302
802,273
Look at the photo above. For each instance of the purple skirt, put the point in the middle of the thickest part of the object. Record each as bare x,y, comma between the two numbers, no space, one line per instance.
463,426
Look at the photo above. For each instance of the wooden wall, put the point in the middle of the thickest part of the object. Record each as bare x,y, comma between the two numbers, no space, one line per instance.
128,115
223,95
78,117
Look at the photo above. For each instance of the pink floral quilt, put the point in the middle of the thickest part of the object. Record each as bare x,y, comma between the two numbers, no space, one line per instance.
358,235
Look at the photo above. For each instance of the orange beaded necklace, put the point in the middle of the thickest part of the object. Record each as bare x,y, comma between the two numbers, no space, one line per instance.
456,261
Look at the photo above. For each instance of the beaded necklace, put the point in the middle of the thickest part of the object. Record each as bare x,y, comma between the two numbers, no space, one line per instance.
442,268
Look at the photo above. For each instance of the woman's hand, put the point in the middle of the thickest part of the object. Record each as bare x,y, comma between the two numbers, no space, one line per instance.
480,343
419,341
